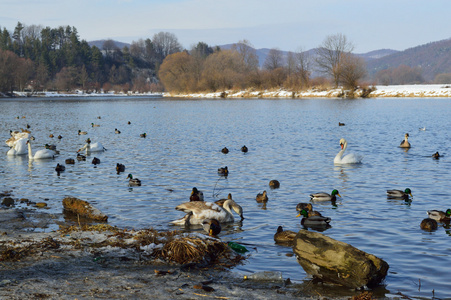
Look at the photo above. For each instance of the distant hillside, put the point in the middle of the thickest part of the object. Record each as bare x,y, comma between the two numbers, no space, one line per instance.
99,44
433,58
377,54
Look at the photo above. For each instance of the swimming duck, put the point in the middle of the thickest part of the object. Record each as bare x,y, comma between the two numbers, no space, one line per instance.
274,184
325,196
196,195
129,122
436,155
428,224
309,208
439,215
261,197
59,168
82,132
133,181
313,221
81,157
405,143
60,137
50,147
51,136
341,124
198,211
143,135
244,149
284,236
223,171
120,168
399,194
117,131
95,161
225,150
95,125
70,161
220,202
211,226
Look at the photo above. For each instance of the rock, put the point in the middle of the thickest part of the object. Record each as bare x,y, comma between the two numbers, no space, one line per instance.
83,209
8,201
336,262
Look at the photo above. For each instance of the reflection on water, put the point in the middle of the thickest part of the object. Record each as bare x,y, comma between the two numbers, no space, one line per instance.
294,141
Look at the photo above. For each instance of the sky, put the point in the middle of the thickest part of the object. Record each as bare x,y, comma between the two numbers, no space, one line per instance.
289,25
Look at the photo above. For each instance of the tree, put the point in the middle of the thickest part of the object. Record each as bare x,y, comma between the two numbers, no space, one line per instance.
109,46
164,44
222,70
8,62
352,69
329,54
175,73
274,60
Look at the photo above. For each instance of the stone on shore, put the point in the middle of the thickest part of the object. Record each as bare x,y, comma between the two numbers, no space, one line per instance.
332,261
83,209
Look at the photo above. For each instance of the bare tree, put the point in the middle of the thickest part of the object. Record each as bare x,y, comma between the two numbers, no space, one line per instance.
329,54
352,69
248,55
274,60
303,67
164,44
109,46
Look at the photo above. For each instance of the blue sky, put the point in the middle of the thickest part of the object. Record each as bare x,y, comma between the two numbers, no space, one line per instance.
284,24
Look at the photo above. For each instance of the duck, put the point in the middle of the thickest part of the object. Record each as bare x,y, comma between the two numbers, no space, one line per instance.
244,149
436,155
274,184
341,124
211,226
95,161
198,211
309,208
405,143
19,148
117,131
82,132
314,220
59,168
40,154
196,195
92,147
220,202
261,197
399,194
60,137
120,168
223,171
133,181
350,158
50,147
129,123
51,136
70,161
225,150
325,196
95,125
143,135
284,236
81,157
428,224
440,216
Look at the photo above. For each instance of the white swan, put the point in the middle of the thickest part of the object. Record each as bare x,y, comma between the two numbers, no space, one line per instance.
92,147
198,211
350,158
40,154
19,148
15,136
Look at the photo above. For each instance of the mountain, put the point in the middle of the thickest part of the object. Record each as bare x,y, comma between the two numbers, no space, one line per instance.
377,54
99,44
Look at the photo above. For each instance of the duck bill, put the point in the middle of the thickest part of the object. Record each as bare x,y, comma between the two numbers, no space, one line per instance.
338,194
211,232
298,215
410,194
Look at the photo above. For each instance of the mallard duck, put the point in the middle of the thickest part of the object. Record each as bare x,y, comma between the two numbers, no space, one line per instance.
284,236
436,155
59,168
82,132
309,208
428,224
211,226
51,136
81,157
223,171
70,161
341,124
220,202
439,215
143,135
60,137
405,143
198,211
196,195
133,181
274,184
95,125
399,194
117,131
314,220
95,161
120,168
244,149
50,147
325,196
225,150
261,197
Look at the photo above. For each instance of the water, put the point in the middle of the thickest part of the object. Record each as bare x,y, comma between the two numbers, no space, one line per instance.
293,141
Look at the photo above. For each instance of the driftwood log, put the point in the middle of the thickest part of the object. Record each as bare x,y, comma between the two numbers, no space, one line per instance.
83,209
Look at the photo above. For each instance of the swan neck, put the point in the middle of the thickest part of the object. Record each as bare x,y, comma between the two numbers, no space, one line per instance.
30,153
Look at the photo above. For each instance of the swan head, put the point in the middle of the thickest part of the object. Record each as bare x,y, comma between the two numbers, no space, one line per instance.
343,143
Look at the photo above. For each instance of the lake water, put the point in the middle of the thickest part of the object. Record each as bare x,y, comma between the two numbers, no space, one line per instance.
291,140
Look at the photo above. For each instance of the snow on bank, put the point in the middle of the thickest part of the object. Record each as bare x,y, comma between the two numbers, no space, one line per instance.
381,91
79,93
